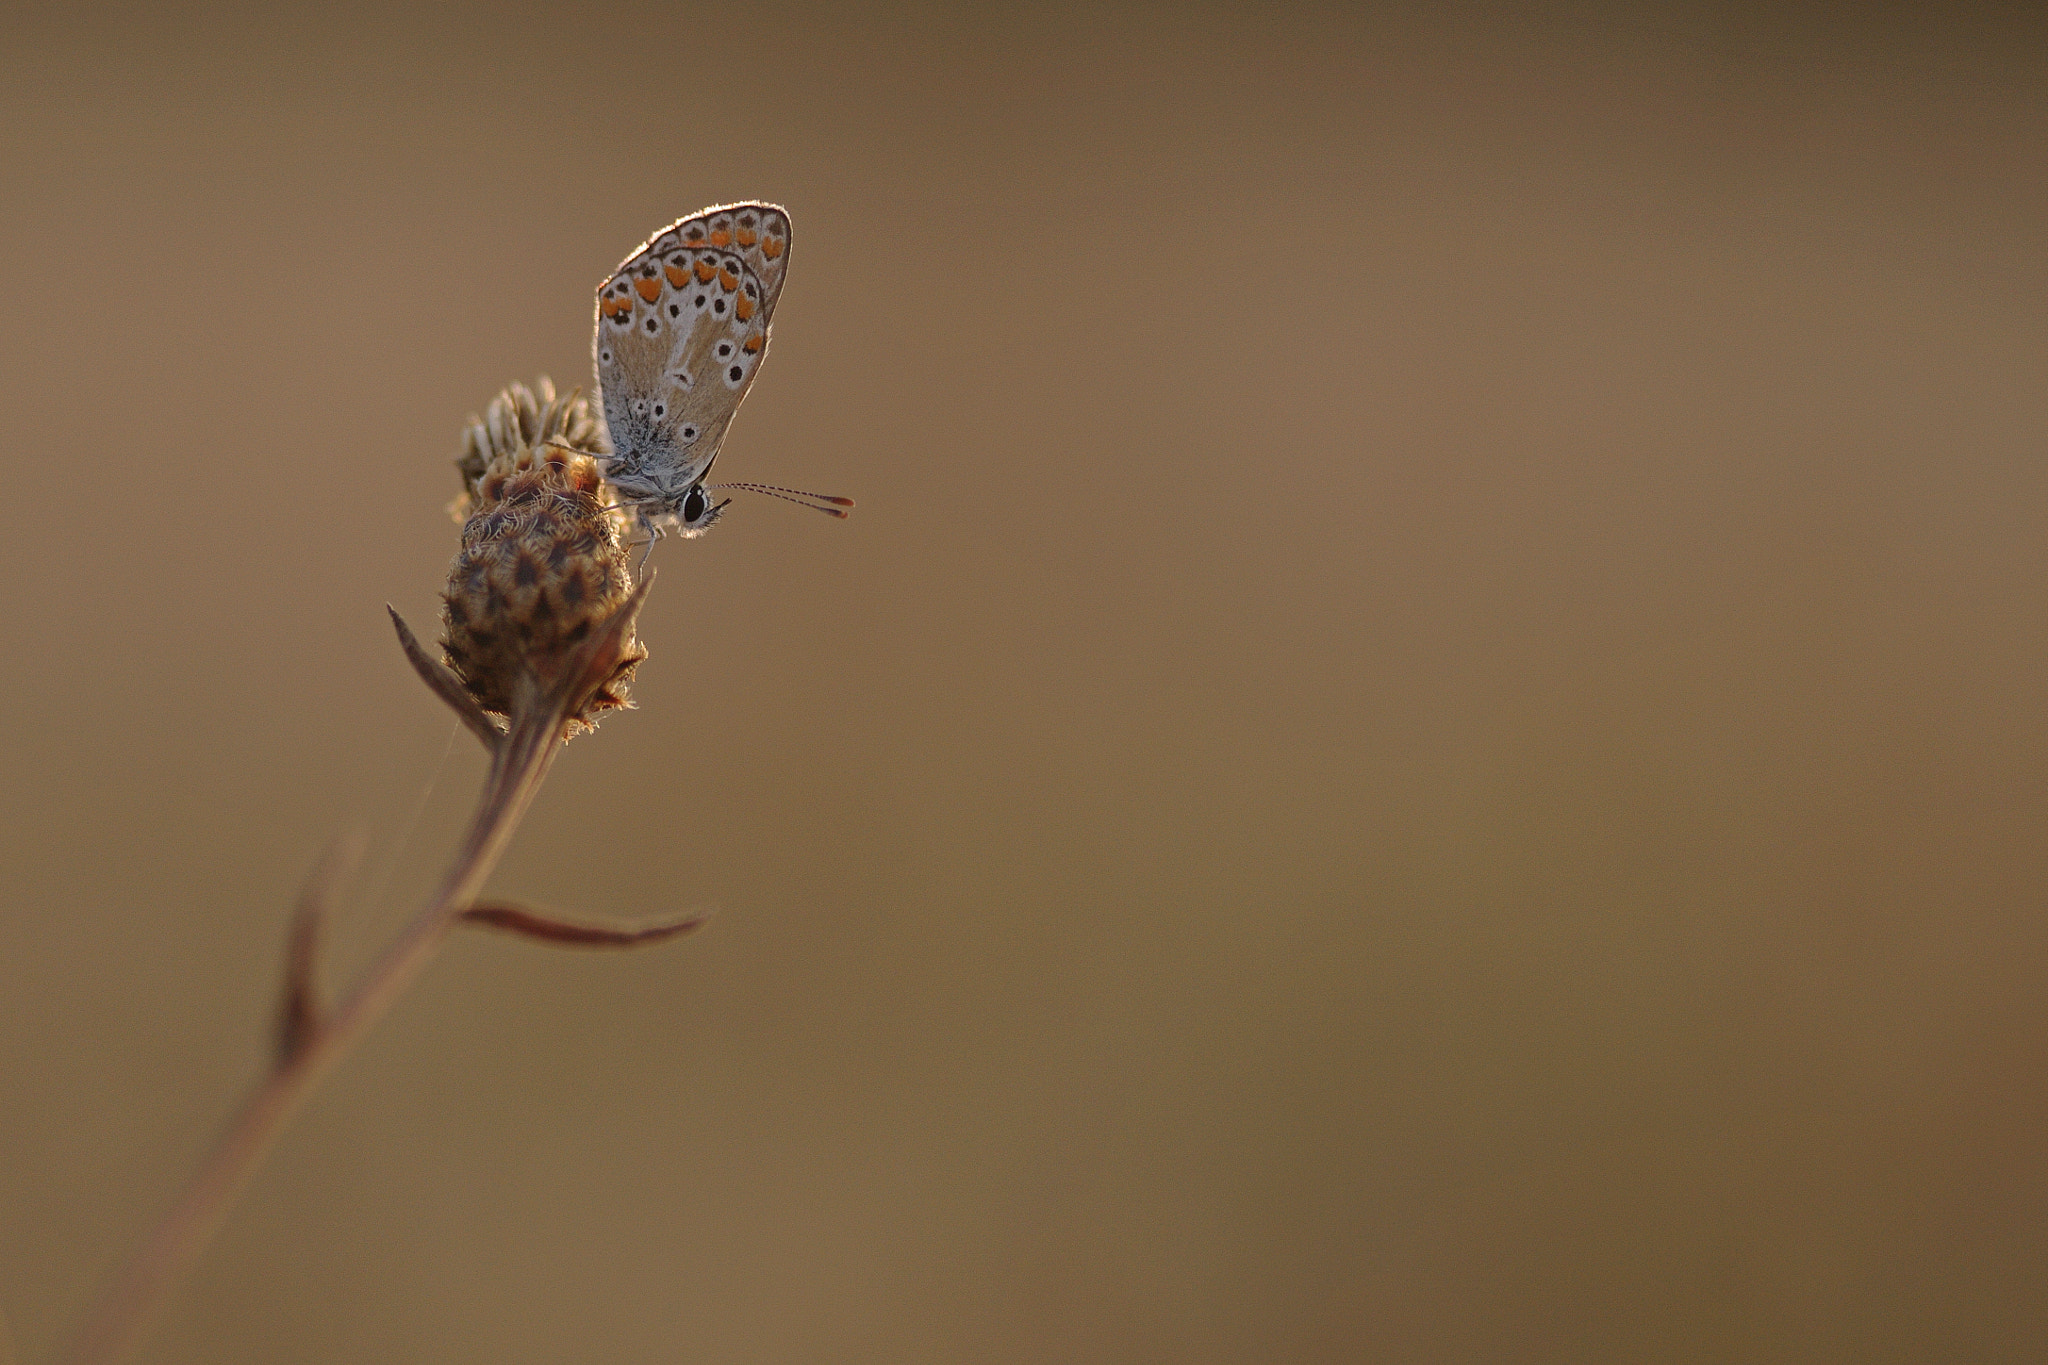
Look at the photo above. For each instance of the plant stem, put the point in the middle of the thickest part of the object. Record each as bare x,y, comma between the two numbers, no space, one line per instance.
117,1322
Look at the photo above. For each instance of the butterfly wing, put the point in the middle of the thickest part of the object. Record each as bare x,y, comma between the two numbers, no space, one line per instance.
682,328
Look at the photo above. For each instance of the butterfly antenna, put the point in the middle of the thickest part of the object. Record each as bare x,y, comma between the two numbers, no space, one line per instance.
817,502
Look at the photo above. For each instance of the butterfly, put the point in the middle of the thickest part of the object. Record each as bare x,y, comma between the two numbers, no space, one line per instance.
682,329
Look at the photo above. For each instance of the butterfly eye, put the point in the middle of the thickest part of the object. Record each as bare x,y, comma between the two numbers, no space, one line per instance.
693,505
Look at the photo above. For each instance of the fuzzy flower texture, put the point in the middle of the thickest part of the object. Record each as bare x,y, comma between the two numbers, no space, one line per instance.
541,567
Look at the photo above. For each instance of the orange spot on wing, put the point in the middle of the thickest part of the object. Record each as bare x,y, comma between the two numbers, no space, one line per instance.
705,270
677,275
728,281
612,308
745,236
744,308
771,248
753,345
650,289
719,236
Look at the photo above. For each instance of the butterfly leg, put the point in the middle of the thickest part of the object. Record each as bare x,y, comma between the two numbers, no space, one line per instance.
654,533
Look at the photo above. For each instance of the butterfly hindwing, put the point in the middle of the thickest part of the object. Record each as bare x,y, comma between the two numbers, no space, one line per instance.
682,328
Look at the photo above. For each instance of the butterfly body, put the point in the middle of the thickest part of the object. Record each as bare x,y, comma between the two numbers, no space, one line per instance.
682,328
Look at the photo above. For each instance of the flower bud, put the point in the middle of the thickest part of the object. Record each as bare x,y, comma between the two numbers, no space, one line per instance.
541,568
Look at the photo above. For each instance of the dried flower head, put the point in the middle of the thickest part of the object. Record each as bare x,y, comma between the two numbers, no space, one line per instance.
522,416
541,569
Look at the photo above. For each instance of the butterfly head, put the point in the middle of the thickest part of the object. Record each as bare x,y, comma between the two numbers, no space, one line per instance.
693,513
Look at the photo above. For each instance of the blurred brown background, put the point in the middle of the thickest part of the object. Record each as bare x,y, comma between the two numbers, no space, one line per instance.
1427,744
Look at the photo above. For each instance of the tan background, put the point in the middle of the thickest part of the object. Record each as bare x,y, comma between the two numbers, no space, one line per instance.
1427,744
